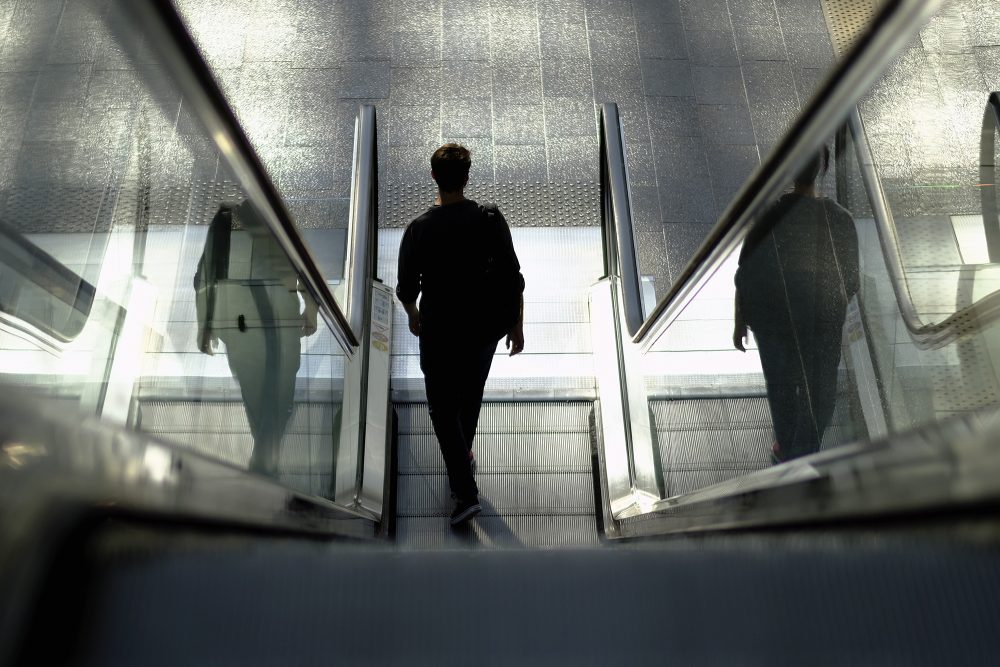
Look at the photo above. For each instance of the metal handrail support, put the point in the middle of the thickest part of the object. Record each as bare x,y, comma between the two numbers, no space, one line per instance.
167,36
360,258
988,176
630,457
616,217
369,310
361,458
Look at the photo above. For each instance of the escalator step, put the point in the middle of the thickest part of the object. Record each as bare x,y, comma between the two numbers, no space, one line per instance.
544,338
500,495
705,441
502,453
203,417
507,417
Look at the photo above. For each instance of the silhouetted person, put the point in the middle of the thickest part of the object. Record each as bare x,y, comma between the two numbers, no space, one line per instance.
798,271
248,296
459,256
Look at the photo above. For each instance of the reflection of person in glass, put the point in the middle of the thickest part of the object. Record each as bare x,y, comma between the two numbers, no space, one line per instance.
248,296
798,271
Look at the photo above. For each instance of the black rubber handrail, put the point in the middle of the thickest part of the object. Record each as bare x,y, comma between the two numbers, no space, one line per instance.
616,217
891,29
988,176
170,40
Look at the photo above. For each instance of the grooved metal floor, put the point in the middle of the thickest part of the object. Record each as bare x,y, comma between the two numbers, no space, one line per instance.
539,204
534,476
710,440
220,430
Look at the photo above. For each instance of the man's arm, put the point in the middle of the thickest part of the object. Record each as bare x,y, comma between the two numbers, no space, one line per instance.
850,262
413,317
310,312
515,337
408,280
739,325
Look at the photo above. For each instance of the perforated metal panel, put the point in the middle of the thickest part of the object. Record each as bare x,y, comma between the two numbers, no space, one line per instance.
927,241
846,19
523,204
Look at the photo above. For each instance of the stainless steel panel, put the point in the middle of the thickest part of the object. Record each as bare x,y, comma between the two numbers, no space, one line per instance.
523,452
611,392
377,438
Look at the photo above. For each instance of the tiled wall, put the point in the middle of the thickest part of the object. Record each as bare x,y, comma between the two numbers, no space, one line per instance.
924,117
705,88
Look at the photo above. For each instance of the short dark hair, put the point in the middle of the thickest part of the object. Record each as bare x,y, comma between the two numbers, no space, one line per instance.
450,166
818,164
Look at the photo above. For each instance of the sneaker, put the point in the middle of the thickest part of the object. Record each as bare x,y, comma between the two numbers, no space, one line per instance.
465,510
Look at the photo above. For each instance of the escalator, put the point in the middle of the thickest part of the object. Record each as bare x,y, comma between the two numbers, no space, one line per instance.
150,513
534,443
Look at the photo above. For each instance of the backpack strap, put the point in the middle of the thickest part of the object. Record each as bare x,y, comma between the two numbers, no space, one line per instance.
492,212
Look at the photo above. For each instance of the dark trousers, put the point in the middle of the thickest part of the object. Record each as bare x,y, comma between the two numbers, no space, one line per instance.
455,379
800,363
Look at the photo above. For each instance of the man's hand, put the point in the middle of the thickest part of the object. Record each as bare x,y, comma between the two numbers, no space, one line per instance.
740,336
739,326
413,315
515,339
309,322
209,343
310,312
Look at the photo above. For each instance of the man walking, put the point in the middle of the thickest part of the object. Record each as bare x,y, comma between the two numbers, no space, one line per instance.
460,258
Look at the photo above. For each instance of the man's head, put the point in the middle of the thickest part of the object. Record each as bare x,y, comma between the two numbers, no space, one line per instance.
450,167
817,165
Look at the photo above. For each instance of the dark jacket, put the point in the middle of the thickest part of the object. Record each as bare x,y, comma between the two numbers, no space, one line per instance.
800,258
446,257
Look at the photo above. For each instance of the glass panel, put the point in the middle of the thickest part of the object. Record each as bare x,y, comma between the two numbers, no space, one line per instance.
294,119
829,357
197,329
790,297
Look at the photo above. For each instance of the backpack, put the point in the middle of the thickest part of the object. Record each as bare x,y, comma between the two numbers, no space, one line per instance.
212,267
502,282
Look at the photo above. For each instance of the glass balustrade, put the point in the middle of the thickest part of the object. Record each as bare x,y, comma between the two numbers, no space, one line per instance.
863,295
139,279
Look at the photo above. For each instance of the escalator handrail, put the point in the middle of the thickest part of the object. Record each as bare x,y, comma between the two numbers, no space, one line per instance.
616,214
361,247
169,38
891,30
926,336
988,176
